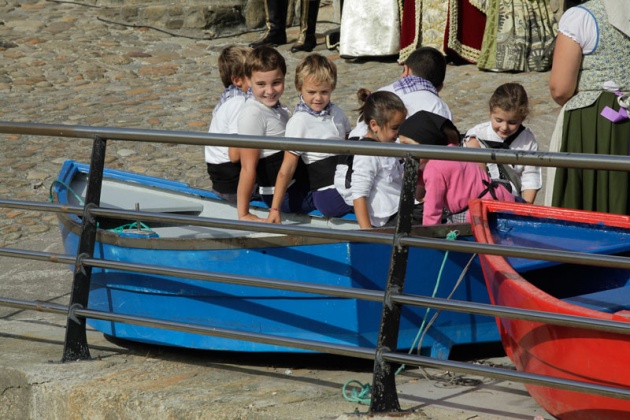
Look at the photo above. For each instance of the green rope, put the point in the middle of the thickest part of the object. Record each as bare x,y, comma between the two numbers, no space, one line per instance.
50,196
451,236
133,225
362,397
118,229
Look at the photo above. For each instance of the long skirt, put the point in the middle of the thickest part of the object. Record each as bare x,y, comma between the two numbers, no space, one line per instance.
519,36
586,131
454,27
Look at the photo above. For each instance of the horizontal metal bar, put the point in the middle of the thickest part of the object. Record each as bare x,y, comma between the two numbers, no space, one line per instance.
327,233
571,257
331,348
584,161
376,237
514,313
337,291
34,305
296,286
40,206
345,235
504,374
37,255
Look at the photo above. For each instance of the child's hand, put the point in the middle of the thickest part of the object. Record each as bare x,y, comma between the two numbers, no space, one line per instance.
471,142
274,217
251,218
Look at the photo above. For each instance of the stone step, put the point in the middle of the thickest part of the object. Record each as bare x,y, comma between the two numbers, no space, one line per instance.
213,15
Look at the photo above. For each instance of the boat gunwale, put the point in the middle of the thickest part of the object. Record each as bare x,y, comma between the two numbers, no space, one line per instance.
72,222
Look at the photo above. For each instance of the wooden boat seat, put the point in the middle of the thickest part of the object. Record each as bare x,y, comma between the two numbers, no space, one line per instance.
150,202
610,301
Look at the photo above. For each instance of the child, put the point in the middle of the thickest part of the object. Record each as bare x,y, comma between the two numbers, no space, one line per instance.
372,184
447,184
315,117
224,173
418,87
508,109
262,115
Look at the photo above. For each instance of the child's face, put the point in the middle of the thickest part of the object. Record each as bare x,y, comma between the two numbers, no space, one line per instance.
505,123
267,86
388,133
316,95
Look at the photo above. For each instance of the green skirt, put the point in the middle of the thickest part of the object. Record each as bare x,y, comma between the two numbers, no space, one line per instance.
586,131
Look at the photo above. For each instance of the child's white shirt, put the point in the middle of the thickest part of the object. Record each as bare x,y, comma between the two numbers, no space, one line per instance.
333,126
224,121
257,119
531,176
378,179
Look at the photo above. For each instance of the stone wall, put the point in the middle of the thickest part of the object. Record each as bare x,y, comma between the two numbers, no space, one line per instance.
213,15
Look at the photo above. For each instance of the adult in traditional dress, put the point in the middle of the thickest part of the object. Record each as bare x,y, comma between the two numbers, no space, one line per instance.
590,77
519,35
499,35
455,27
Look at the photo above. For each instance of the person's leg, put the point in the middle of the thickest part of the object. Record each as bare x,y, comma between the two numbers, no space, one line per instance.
294,201
332,37
308,20
276,20
297,200
330,203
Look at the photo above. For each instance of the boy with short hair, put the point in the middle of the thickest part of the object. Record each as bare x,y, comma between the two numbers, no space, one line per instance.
262,115
315,117
422,79
223,173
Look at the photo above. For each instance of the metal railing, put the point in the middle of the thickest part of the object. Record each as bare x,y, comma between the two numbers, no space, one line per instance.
384,395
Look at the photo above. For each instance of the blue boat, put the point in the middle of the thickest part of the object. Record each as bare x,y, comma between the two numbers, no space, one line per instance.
281,257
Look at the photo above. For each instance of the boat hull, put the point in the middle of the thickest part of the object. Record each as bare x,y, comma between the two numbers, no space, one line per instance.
564,352
282,313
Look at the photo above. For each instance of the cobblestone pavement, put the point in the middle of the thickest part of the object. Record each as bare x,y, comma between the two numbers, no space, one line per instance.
62,63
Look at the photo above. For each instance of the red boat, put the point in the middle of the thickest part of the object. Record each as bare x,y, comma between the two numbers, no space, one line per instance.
602,293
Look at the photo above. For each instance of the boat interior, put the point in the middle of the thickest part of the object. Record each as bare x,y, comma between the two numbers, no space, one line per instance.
605,289
124,195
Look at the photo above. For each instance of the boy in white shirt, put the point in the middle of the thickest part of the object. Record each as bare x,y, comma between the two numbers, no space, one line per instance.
315,117
422,79
224,173
262,115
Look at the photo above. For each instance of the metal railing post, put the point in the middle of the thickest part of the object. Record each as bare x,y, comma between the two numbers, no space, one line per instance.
75,344
384,396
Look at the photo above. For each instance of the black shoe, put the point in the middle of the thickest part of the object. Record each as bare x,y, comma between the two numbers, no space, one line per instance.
332,40
310,42
270,39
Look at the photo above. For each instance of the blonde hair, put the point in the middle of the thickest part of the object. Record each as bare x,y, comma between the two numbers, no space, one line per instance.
320,68
231,63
